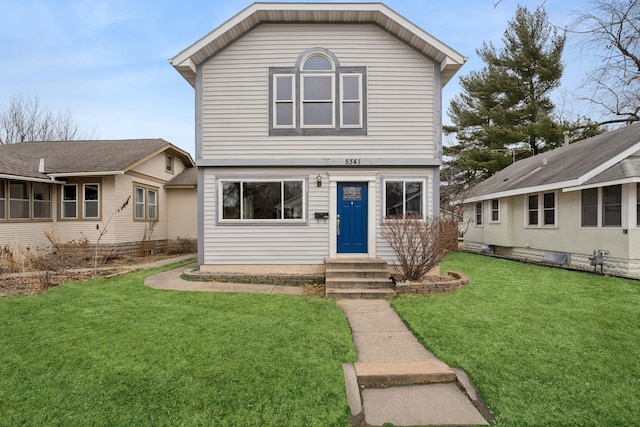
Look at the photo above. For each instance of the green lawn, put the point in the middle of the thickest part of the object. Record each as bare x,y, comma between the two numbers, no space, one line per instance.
545,346
114,352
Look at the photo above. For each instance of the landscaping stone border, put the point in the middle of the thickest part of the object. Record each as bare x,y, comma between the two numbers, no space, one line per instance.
456,281
258,279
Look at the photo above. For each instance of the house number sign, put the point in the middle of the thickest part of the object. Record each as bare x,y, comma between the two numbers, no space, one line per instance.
351,162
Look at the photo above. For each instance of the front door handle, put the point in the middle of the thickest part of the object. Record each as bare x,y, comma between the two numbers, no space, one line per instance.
338,225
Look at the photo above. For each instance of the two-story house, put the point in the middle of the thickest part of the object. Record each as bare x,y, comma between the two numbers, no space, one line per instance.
314,123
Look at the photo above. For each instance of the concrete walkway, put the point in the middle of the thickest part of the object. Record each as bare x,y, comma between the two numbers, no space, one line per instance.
395,379
172,280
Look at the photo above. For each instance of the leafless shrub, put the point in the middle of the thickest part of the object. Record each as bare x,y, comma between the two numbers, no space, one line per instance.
146,244
182,245
73,253
102,231
36,263
420,244
44,266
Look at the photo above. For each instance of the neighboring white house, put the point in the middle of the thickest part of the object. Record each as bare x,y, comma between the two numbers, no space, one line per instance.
562,205
72,187
314,122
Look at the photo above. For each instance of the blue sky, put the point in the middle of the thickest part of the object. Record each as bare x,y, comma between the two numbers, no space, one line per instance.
106,61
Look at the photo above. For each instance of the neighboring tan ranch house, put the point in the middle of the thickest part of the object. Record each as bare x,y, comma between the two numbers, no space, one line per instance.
72,187
314,122
562,205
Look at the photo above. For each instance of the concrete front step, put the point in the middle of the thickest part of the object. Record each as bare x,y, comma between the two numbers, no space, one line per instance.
355,283
359,293
355,264
357,273
378,374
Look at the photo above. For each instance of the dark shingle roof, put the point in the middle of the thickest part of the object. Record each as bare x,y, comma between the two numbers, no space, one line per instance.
78,156
567,165
187,178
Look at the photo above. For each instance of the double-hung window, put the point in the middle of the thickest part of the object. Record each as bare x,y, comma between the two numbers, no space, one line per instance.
404,199
18,200
589,207
637,204
152,204
495,210
541,210
262,200
284,112
317,82
351,100
69,201
478,213
41,201
317,97
145,203
612,206
3,199
91,200
80,201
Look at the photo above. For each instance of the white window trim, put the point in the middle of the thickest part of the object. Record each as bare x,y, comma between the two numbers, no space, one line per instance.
62,202
276,101
541,210
344,101
491,220
84,201
241,220
305,74
404,196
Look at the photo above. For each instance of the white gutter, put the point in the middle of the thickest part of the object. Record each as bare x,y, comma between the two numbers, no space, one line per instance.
629,180
26,178
528,190
57,175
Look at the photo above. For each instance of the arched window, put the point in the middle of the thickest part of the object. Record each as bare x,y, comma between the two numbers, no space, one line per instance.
317,97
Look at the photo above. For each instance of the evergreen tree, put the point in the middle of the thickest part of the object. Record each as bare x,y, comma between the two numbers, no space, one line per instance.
504,112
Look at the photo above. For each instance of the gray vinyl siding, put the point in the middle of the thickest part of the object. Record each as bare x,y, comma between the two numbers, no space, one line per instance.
306,243
383,250
401,114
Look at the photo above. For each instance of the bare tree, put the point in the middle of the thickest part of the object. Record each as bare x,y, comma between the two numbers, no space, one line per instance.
24,119
611,30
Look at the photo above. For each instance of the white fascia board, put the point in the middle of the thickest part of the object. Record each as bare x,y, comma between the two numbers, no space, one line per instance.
629,180
452,56
101,173
30,179
182,57
519,191
606,165
280,10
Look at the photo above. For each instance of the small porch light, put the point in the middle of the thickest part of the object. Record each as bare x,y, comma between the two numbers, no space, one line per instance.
319,180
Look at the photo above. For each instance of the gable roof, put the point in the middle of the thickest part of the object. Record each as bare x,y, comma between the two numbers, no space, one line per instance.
602,158
81,157
374,13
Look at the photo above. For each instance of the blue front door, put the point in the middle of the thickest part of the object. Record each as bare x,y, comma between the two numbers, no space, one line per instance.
352,218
